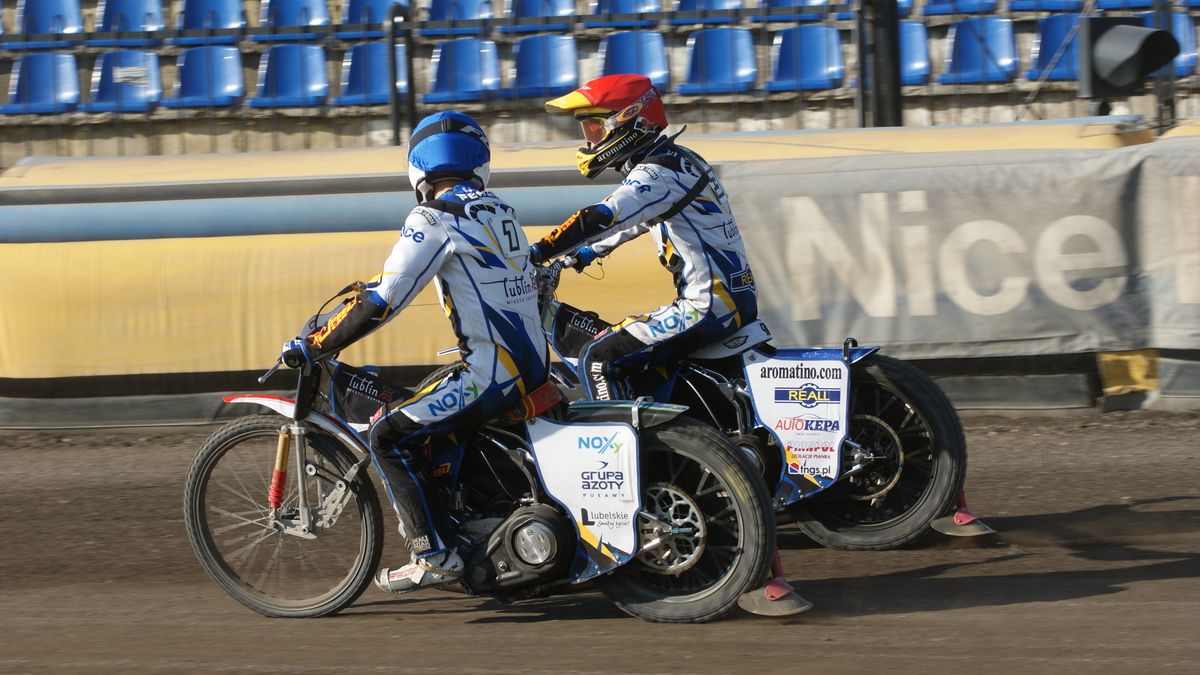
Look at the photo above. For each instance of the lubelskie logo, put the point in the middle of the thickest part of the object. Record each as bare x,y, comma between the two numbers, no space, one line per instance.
600,444
809,395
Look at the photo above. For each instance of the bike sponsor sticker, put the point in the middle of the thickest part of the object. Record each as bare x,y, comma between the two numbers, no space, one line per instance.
802,402
592,470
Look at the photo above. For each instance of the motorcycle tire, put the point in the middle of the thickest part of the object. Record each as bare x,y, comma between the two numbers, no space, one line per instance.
897,409
690,476
269,571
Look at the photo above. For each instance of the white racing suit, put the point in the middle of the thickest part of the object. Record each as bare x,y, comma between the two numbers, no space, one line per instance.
470,244
675,195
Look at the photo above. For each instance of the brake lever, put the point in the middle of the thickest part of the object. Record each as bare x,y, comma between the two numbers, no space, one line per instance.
267,375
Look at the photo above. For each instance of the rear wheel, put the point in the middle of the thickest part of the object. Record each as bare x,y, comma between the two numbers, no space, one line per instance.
251,557
706,536
919,462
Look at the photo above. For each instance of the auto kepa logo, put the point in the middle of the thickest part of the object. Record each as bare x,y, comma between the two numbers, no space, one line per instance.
807,424
809,395
600,444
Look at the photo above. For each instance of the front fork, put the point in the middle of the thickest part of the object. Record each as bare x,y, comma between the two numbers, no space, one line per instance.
278,488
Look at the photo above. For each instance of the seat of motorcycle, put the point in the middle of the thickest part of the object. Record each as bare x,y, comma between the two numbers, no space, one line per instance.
751,335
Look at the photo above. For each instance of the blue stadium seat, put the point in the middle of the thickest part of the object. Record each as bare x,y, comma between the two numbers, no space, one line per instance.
1045,5
125,81
292,76
458,10
209,15
636,51
464,70
128,16
1052,32
720,61
357,12
44,17
705,6
603,8
941,7
545,66
806,57
546,9
1124,4
43,83
813,10
915,68
209,77
365,74
291,14
1185,33
982,49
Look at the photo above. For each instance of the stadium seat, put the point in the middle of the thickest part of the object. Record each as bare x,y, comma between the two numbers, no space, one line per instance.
209,77
125,81
636,51
1052,32
291,14
1185,33
365,74
545,9
720,61
813,10
292,76
208,15
914,53
544,66
981,49
359,12
604,8
1045,5
458,10
128,16
45,17
42,83
806,57
464,70
1124,4
942,7
705,6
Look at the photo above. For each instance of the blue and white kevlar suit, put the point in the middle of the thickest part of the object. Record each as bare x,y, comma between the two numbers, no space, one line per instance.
674,194
470,244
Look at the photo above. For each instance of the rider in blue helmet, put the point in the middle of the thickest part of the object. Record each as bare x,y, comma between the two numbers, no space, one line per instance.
471,244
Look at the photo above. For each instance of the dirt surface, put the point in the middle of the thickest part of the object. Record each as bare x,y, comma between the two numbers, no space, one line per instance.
1096,568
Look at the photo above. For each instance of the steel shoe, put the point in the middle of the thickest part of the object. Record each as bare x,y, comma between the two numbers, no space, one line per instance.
435,570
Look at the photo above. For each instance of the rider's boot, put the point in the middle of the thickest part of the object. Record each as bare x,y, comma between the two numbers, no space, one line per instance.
777,597
424,572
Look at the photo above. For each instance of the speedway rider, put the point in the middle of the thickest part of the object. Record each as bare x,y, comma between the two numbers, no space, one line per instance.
672,192
470,244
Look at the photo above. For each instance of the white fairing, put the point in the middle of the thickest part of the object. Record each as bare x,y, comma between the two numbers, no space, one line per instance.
286,407
752,334
592,470
803,402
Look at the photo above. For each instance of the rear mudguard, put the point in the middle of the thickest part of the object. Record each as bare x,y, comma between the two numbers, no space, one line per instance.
286,407
641,414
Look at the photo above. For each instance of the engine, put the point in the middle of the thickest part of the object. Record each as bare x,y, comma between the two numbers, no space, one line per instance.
534,544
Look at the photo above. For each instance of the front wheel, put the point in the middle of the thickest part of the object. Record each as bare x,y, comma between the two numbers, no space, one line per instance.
707,535
905,422
249,554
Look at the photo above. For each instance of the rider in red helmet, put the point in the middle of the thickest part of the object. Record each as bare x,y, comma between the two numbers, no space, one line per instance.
673,193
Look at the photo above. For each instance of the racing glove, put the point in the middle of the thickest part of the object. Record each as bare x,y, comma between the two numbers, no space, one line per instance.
295,353
584,256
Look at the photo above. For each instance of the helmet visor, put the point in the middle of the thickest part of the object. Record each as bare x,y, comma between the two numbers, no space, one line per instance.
593,130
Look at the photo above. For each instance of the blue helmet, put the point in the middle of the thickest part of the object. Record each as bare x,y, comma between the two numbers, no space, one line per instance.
447,145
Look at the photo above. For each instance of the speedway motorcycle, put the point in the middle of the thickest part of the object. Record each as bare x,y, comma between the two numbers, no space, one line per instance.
864,451
283,514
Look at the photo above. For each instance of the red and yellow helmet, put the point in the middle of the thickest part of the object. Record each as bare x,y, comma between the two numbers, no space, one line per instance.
620,114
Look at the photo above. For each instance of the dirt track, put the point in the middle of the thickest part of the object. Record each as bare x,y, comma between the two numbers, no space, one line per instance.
1096,569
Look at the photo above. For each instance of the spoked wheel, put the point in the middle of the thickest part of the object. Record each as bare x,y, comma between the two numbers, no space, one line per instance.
269,564
706,535
915,462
